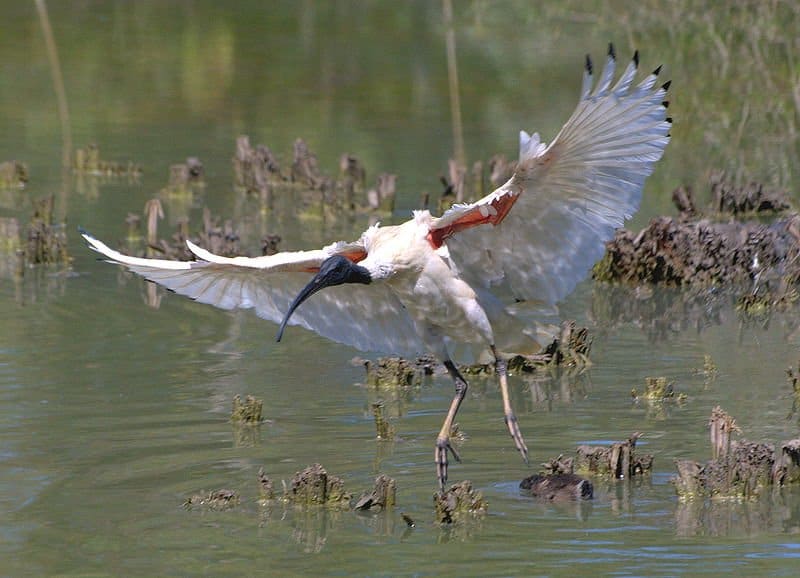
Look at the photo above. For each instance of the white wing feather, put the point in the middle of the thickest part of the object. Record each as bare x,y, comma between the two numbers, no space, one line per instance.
570,196
367,317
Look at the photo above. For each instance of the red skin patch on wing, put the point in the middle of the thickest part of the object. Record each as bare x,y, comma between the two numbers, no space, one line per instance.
354,255
502,205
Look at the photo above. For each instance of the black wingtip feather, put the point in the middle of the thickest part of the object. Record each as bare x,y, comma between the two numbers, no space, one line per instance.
666,85
588,64
611,52
636,58
669,119
665,104
657,70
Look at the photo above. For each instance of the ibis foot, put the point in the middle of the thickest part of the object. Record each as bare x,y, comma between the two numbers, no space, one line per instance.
516,435
440,457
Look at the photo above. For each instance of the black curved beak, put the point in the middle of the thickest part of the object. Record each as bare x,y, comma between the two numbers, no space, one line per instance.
333,271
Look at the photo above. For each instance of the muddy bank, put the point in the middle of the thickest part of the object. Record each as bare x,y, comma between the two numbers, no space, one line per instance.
721,245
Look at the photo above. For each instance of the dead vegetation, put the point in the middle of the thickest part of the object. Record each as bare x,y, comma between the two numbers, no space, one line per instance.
739,469
258,171
459,503
87,161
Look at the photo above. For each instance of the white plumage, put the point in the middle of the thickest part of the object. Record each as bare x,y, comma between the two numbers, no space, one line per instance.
446,284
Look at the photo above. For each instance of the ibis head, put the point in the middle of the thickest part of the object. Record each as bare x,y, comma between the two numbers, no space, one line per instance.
335,270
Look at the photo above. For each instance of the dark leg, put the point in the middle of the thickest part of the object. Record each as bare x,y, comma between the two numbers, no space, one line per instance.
443,439
511,419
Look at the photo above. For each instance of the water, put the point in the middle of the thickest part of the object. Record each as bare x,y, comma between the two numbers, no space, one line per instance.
113,413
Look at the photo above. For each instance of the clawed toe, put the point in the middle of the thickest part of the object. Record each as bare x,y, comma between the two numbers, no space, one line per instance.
516,435
443,445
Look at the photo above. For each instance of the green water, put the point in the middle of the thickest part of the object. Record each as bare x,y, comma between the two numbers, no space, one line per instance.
113,412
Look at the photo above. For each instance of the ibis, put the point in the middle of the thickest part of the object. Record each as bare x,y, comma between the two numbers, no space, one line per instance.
462,285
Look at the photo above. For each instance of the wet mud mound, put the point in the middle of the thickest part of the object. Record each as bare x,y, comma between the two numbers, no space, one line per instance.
739,469
713,247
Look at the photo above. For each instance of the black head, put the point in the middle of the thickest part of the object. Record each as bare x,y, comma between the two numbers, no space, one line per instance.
335,270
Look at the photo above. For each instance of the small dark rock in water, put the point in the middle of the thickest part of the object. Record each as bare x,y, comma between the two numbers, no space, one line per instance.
383,496
217,500
248,411
313,486
558,487
618,460
458,503
13,174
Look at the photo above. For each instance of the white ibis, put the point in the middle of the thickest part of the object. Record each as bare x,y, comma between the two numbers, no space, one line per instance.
455,283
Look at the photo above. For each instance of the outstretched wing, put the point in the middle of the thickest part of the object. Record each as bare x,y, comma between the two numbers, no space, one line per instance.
552,218
367,317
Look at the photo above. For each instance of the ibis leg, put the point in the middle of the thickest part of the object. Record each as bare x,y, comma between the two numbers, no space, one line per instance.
443,439
511,420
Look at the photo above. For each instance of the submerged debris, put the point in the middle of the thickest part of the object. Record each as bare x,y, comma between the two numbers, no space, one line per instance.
247,412
390,372
728,197
184,176
618,460
383,496
87,161
318,195
266,491
221,239
385,430
255,169
305,167
571,347
12,254
460,502
740,469
558,487
381,196
13,174
658,389
47,243
313,486
217,500
408,520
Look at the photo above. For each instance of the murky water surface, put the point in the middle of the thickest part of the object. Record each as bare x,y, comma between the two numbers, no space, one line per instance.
113,412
